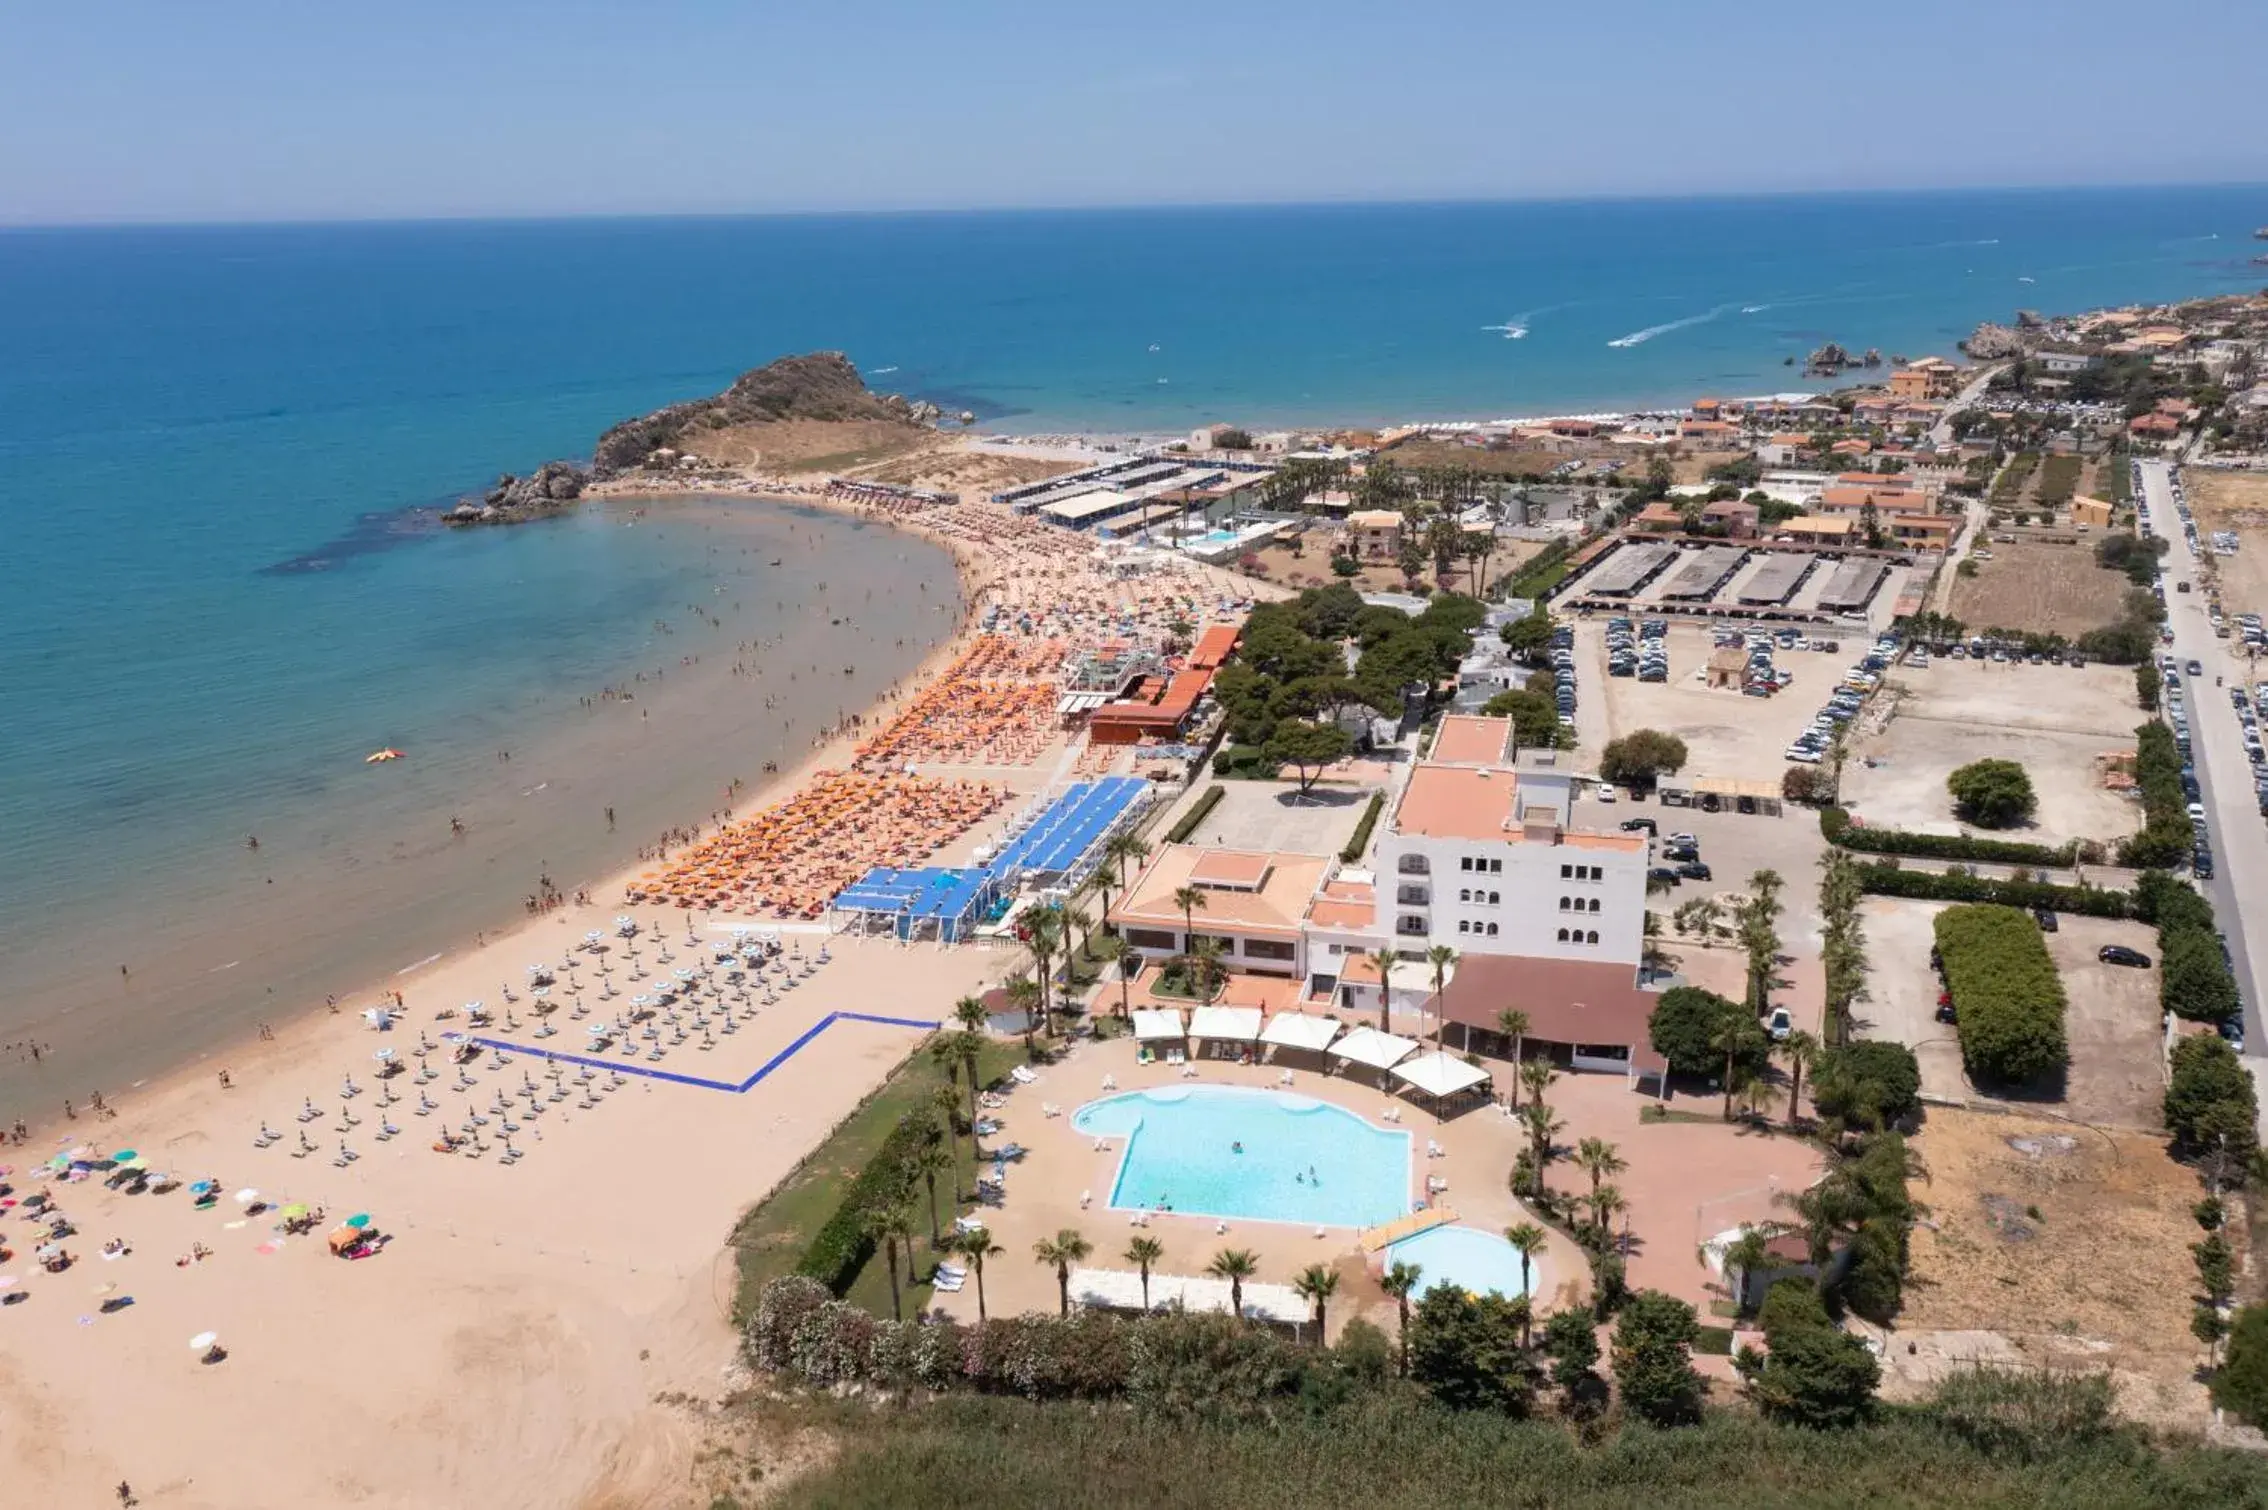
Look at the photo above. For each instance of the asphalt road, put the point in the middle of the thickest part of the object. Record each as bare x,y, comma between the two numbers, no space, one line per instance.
2232,813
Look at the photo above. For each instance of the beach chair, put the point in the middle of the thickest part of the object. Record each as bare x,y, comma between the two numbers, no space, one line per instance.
1436,1184
1022,1075
1050,1109
1086,1199
1284,1078
342,1161
1432,1149
1110,1082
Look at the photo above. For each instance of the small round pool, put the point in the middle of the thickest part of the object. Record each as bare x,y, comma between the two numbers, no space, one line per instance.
1466,1257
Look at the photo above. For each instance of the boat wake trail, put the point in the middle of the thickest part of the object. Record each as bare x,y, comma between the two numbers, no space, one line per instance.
1516,328
1754,309
1641,337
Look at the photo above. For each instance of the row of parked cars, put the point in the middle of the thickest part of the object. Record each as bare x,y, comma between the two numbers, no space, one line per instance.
1844,703
1646,656
1563,673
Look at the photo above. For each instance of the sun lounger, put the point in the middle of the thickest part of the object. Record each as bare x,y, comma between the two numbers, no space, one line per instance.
1284,1078
1022,1075
1050,1109
1432,1149
1110,1082
1436,1184
1086,1199
947,1286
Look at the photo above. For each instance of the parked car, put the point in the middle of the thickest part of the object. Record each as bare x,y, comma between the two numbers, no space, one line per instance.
1945,1012
1662,874
2045,917
1693,870
1779,1025
2119,954
1638,826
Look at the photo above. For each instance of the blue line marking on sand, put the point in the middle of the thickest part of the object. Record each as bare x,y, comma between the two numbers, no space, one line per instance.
701,1082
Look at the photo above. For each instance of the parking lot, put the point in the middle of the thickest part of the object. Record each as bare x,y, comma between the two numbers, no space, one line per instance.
2112,1022
1726,733
2055,721
1677,577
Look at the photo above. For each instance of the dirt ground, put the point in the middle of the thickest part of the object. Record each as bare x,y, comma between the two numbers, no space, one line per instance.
1312,566
2054,720
973,474
811,445
2049,589
2234,501
2112,1022
1426,451
2069,1243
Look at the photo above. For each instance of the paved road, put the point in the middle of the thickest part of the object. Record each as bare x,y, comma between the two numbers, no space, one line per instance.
2232,814
1942,431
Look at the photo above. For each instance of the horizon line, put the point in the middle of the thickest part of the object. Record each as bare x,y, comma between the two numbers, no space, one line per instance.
912,211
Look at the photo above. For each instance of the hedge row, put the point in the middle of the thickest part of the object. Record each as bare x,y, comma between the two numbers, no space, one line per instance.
2166,838
2193,977
846,1242
1836,827
1885,878
2006,993
1187,823
1352,854
1541,573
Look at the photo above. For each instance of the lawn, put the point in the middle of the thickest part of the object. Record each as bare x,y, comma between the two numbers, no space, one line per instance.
771,1238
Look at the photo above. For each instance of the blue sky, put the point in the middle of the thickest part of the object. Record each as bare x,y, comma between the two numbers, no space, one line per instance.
284,109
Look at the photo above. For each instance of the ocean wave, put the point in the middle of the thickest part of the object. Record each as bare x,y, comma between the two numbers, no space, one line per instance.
880,371
1754,309
1641,337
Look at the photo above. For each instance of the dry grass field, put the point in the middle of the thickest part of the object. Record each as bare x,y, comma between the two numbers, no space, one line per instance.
2070,1241
2235,501
2047,589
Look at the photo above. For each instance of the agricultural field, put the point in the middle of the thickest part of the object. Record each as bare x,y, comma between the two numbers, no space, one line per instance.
2047,589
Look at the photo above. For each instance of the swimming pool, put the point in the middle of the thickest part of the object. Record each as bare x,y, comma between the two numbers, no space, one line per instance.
1302,1161
1466,1257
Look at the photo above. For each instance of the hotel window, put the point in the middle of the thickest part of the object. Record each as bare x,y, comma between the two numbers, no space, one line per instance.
1464,862
1267,949
1414,865
1464,926
1565,903
1496,867
1591,937
1414,896
1567,872
1464,893
1410,924
1494,899
1594,904
1492,930
1563,935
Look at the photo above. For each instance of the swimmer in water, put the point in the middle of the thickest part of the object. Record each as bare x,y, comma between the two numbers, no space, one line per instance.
1236,1148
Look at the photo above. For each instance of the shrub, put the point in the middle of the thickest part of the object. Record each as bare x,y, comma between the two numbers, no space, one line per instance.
1541,573
2006,991
1806,784
1815,1375
2194,980
1653,1359
2165,837
1684,1026
1187,823
2241,1385
1884,878
2024,1414
1866,1081
1360,839
2209,1102
846,1241
1836,827
1992,793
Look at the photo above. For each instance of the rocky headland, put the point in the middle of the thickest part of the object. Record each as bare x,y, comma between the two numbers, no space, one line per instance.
820,388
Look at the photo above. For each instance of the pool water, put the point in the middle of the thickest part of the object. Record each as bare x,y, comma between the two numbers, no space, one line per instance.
1303,1160
1470,1259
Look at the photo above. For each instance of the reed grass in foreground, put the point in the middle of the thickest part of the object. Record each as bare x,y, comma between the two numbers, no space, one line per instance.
1009,1455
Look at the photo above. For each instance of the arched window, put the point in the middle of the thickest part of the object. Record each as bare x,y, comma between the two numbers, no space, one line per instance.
1563,935
1464,894
1591,938
1494,899
1492,930
1565,903
1594,904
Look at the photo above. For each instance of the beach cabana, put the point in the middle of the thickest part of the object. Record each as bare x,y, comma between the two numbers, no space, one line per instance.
1225,1025
1373,1050
1298,1032
1442,1078
1153,1024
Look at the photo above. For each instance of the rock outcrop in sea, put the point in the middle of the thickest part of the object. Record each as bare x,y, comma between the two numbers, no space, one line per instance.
548,489
821,385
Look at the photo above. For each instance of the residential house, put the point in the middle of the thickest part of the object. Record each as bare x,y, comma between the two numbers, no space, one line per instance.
1736,518
1658,519
1256,904
2095,513
1374,534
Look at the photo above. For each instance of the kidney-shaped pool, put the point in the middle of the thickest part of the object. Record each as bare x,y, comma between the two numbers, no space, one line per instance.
1225,1151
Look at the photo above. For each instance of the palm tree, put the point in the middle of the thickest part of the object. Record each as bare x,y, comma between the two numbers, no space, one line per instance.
1383,960
1123,846
1800,1050
1606,1202
1077,921
1316,1285
1141,1253
1024,996
1399,1280
1207,958
1527,1239
1543,1128
1537,1075
970,1014
894,1229
1735,1034
976,1245
1066,1248
972,1049
1236,1265
929,1164
948,1104
1191,900
1043,936
1114,951
1745,1255
1514,1024
1598,1158
1440,957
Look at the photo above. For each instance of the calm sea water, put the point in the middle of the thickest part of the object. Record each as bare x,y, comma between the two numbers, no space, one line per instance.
213,603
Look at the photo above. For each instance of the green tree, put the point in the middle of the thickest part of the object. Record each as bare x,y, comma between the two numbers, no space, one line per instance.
1571,1341
1992,793
1236,1265
2147,687
1061,1251
1528,637
1527,1240
1316,1284
1686,1028
2195,980
1466,1350
1144,1253
1308,748
1401,1280
1653,1359
976,1245
1115,952
1801,1050
1440,957
2209,1101
1600,1160
1191,901
1868,1082
929,1163
1535,718
1640,758
1814,1375
2240,1386
1383,960
894,1230
1514,1024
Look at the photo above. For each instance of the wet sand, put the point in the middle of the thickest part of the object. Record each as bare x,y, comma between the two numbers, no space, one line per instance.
345,894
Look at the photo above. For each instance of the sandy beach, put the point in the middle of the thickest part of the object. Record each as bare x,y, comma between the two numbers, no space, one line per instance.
507,1342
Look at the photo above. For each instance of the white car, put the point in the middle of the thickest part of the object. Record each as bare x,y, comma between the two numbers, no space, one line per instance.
1608,794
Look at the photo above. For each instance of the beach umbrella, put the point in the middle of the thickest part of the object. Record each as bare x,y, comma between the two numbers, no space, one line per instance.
359,1220
204,1187
247,1196
294,1213
124,1156
203,1342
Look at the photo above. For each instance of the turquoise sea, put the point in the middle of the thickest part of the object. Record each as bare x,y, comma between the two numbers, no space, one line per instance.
214,596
